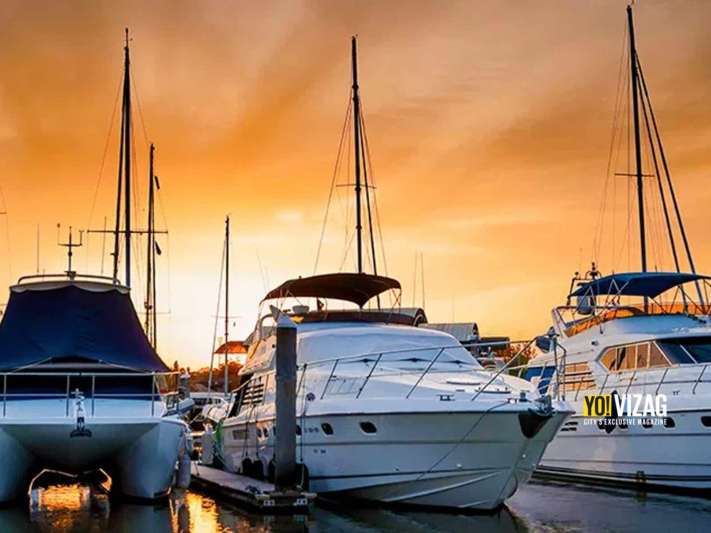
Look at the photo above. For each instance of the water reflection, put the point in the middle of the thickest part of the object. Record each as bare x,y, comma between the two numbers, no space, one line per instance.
537,507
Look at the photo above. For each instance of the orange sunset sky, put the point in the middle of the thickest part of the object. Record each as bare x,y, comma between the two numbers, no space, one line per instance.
489,126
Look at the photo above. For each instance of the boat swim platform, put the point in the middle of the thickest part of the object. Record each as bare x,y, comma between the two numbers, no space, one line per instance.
260,496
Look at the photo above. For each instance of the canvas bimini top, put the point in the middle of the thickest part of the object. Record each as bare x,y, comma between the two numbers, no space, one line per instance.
74,321
350,287
649,284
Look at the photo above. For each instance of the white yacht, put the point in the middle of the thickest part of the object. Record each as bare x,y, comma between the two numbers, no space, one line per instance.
82,389
386,411
640,341
608,343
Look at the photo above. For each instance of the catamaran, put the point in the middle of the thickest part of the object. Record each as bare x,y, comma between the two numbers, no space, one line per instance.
386,411
642,336
82,387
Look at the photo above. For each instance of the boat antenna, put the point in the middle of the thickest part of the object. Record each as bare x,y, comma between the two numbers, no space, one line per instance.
637,144
70,245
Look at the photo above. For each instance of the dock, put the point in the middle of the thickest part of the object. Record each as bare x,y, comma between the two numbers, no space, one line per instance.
260,496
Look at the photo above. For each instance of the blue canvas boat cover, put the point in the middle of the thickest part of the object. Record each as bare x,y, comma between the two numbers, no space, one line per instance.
73,321
650,284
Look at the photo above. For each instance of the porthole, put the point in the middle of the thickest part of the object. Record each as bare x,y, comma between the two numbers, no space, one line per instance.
266,433
298,429
646,423
706,421
368,427
259,433
327,428
669,422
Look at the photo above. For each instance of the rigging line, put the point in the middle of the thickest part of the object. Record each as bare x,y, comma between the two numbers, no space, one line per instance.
217,318
597,239
333,186
670,184
140,111
103,158
373,257
8,248
623,112
345,255
659,181
618,151
378,225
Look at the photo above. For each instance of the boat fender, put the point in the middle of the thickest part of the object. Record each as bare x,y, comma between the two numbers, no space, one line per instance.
207,453
182,480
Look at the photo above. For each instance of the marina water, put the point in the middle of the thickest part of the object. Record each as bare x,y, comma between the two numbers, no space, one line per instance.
536,507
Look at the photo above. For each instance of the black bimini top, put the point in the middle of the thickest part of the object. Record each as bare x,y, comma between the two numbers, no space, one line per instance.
350,287
73,321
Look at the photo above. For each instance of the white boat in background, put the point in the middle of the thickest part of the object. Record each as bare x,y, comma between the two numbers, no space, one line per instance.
386,411
609,344
82,389
644,336
82,386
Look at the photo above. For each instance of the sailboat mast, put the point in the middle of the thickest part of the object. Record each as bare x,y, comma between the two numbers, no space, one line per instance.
127,159
227,301
357,145
150,254
637,144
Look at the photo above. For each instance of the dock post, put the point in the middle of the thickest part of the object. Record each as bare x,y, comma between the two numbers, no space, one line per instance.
285,454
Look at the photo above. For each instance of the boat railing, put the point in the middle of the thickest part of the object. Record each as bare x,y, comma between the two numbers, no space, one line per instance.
70,276
80,385
692,376
573,323
341,381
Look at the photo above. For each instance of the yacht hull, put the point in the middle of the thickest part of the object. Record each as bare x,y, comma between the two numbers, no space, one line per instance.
140,453
657,458
466,460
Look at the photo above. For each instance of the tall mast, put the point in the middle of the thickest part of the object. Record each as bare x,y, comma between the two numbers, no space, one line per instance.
127,159
150,305
227,301
124,172
357,145
637,145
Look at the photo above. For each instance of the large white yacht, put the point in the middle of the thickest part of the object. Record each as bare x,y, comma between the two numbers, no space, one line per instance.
643,333
82,389
643,337
386,411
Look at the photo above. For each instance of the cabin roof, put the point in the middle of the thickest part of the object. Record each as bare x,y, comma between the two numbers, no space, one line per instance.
350,287
72,321
650,284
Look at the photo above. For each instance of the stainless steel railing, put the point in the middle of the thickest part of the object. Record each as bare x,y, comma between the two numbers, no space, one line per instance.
159,391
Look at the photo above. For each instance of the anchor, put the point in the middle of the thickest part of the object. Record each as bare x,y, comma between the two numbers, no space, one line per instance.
80,430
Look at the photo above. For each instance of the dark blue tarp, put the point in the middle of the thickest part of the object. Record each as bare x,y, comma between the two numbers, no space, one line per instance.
70,322
650,284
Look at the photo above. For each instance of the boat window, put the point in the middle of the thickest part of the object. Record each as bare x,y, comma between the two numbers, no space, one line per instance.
298,429
656,356
706,421
699,348
608,358
635,356
677,352
327,428
626,357
669,422
368,427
